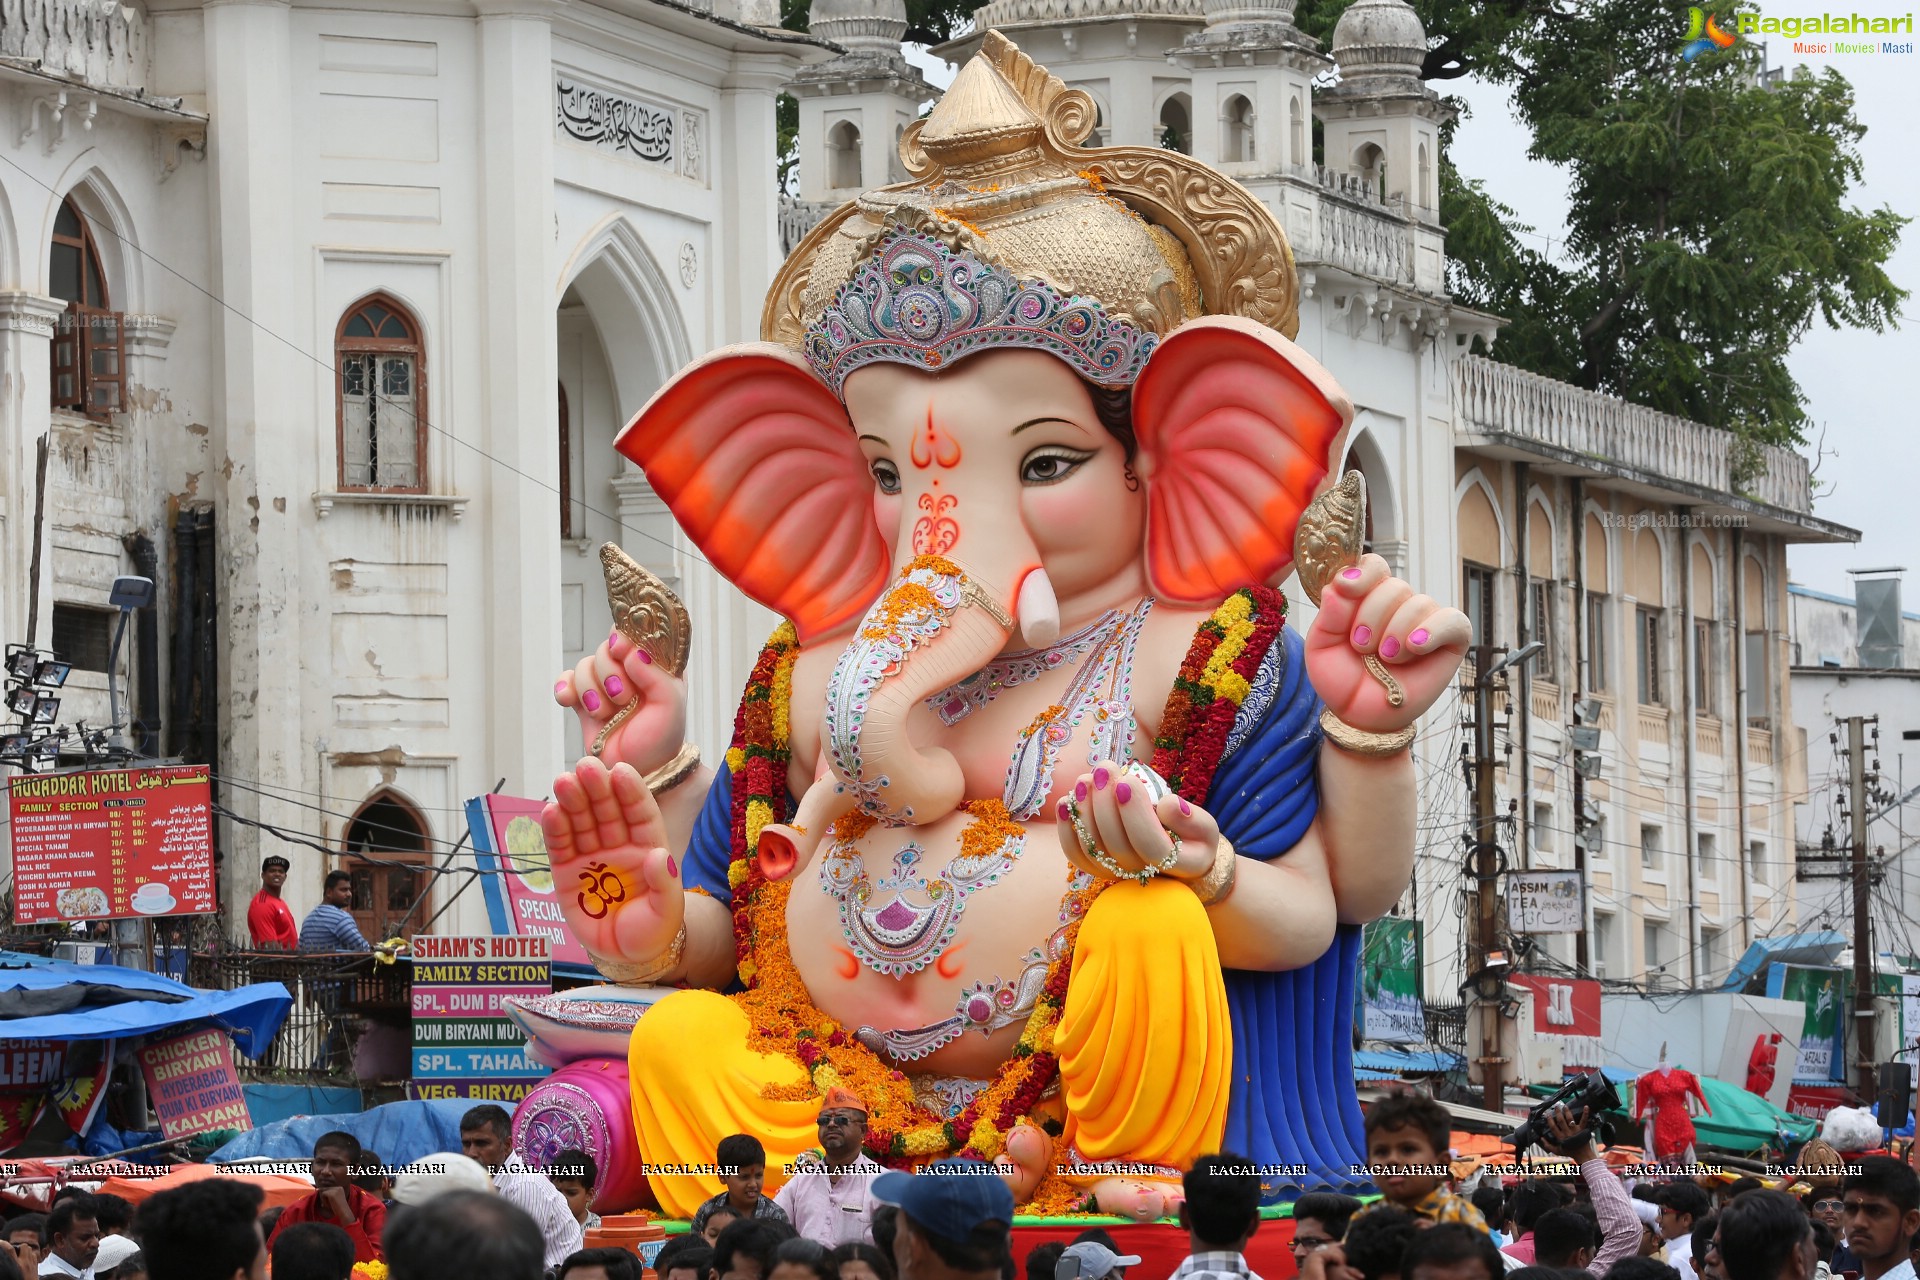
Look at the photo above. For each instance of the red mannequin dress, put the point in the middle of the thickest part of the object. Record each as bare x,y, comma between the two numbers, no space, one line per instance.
1664,1090
1760,1064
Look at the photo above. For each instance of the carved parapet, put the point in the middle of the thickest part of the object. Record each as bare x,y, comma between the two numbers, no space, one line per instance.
99,43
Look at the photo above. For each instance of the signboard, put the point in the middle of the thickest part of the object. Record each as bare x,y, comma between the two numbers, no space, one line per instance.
1567,1012
1814,1101
117,843
1390,1007
1910,1021
1545,902
518,883
1819,990
464,1043
193,1085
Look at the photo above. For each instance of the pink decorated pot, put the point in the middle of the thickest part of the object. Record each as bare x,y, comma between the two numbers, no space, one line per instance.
586,1106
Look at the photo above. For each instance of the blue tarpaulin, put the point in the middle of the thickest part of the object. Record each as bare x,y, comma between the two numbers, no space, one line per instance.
1817,949
401,1132
54,1000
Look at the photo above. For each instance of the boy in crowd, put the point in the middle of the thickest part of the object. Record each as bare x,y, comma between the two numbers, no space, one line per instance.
1452,1251
1407,1152
1765,1235
743,1171
335,1198
371,1177
1319,1219
1681,1205
574,1175
1220,1214
599,1264
685,1257
1882,1215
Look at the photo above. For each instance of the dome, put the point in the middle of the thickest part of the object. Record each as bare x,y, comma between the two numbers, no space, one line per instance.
1377,39
859,25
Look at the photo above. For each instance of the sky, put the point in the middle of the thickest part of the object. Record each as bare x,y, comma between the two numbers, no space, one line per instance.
1862,388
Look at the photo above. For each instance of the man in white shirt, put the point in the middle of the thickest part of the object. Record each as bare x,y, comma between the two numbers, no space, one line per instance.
486,1135
1882,1216
830,1198
73,1239
1682,1203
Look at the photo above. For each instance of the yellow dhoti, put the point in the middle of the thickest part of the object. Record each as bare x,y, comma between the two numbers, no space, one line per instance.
695,1081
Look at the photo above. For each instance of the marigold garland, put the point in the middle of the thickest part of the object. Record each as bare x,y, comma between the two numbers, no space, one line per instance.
1214,680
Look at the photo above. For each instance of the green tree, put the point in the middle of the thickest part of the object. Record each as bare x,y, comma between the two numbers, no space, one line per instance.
1709,222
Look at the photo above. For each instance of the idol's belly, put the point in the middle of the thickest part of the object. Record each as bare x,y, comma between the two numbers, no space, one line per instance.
934,963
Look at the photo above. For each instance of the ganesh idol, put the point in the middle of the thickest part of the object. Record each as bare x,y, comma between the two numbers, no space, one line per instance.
1041,830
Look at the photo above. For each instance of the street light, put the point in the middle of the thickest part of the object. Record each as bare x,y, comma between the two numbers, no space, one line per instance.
1524,653
129,593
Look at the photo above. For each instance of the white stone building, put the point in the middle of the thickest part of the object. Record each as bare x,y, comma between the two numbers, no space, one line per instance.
338,309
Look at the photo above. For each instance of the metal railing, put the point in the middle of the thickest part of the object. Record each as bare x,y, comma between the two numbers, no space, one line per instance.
335,998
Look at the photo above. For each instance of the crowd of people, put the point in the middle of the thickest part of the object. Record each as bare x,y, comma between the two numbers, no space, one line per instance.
483,1212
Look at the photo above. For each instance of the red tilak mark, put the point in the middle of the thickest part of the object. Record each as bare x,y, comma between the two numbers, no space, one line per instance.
935,447
935,532
847,967
940,965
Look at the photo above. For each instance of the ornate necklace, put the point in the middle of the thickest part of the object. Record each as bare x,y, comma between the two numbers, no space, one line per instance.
1103,687
895,936
984,1007
956,703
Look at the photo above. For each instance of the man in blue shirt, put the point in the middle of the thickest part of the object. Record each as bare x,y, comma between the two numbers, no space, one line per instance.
328,927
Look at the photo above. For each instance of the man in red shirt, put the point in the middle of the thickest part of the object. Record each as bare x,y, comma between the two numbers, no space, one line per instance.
269,919
335,1200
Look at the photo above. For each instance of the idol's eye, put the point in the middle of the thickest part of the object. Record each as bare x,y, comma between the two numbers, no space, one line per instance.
1051,465
886,475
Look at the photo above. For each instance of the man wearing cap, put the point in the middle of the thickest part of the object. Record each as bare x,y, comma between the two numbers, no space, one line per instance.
956,1222
269,918
830,1198
1091,1260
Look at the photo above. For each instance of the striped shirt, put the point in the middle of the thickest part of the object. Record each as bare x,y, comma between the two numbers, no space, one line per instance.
520,1186
328,928
1221,1264
763,1208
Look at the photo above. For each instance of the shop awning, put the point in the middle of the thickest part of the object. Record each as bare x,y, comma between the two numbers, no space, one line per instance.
1819,948
53,1000
1428,1061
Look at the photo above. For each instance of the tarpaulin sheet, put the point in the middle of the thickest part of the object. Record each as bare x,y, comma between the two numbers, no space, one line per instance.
108,1002
401,1132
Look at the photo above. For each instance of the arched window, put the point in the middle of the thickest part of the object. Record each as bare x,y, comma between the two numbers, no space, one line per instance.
389,860
1296,134
897,172
1098,138
382,398
1371,164
88,358
1426,179
1176,124
1236,121
843,156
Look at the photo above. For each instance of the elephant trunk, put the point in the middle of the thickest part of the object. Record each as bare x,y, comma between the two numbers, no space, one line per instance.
872,762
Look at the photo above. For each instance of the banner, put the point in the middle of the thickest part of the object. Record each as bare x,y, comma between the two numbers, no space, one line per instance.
1567,1012
1390,1007
1910,1021
111,844
1819,990
192,1084
464,1043
1545,902
517,879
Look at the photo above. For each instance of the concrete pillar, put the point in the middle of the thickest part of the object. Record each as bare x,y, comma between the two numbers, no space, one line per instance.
26,331
743,166
257,480
519,267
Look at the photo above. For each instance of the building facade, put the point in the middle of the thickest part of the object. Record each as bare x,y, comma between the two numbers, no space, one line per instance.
328,316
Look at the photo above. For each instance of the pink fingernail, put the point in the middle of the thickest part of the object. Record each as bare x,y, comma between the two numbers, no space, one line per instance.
645,656
613,638
1100,778
1079,791
1185,809
1419,637
591,700
673,868
1351,573
1362,634
615,686
1389,647
560,688
1123,793
1064,811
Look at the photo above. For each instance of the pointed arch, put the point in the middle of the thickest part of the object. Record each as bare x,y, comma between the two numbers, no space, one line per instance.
111,223
380,396
1365,454
633,305
387,850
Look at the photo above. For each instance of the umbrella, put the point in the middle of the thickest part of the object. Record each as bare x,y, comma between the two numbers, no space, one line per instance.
280,1189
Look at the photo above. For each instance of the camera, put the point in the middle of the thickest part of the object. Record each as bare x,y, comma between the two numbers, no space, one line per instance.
1589,1093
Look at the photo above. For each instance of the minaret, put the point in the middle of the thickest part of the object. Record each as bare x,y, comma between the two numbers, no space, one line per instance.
1381,122
1253,76
854,109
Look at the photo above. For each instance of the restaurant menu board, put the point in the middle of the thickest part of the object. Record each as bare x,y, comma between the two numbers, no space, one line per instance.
193,1084
464,1043
111,844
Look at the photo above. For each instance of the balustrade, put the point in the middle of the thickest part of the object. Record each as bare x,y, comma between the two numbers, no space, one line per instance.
102,43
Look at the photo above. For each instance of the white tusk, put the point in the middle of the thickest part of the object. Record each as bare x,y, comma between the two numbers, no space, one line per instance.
1038,611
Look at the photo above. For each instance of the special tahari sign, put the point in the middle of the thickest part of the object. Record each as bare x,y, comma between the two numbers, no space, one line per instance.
111,844
464,1043
193,1085
516,877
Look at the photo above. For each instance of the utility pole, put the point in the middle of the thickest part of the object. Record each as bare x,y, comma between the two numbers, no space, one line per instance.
1486,874
1860,870
1586,826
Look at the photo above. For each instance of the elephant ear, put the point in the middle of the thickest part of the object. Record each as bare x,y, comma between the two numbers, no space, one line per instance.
1238,429
756,459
